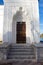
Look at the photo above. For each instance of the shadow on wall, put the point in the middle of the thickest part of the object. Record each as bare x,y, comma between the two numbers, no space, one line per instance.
17,18
35,32
28,39
7,37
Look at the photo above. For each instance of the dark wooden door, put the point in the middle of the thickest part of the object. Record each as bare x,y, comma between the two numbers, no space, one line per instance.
21,32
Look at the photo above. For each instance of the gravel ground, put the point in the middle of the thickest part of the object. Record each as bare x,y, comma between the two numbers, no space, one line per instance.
22,63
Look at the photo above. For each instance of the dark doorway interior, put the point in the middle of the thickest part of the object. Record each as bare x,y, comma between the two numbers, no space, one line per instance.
21,32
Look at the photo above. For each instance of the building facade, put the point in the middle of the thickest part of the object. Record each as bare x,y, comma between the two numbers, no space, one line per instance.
21,28
21,21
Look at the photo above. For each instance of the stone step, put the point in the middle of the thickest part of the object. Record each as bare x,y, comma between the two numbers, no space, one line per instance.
21,52
21,57
21,47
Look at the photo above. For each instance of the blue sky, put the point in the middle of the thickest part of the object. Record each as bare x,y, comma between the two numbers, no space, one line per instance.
1,2
40,13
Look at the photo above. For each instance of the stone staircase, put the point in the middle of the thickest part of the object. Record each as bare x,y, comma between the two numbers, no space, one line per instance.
21,52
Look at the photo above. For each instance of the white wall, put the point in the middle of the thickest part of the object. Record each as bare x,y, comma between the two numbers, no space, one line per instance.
31,10
1,21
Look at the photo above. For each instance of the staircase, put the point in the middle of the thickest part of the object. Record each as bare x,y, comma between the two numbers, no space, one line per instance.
21,52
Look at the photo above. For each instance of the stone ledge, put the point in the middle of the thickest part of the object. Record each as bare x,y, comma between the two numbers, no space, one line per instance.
38,50
38,45
4,45
4,48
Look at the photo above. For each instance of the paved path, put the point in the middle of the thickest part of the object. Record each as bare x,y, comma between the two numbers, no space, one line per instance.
25,62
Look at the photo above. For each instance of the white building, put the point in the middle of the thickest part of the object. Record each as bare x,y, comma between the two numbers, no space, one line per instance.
21,21
21,26
1,21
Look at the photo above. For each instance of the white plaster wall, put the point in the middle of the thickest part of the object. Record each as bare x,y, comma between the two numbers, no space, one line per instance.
30,16
7,35
1,21
35,11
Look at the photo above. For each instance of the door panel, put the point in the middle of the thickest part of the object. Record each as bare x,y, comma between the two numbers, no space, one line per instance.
21,32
